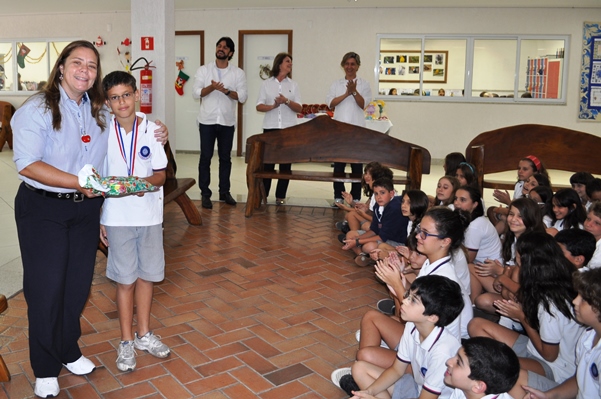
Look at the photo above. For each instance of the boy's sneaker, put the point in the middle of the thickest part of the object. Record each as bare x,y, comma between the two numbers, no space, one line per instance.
386,306
152,344
363,260
337,201
347,384
341,238
343,227
338,374
126,360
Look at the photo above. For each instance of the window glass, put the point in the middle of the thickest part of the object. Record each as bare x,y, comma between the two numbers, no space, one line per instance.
6,67
444,76
399,67
25,66
494,68
541,68
464,68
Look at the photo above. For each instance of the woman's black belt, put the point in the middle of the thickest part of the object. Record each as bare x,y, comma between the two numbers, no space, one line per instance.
75,196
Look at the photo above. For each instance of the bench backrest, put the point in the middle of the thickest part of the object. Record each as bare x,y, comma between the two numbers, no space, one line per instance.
326,140
563,149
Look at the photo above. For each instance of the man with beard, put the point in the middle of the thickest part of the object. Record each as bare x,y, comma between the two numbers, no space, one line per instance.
219,85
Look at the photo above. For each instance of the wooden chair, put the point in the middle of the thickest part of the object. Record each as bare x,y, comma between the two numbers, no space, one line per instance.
4,373
6,133
326,140
557,148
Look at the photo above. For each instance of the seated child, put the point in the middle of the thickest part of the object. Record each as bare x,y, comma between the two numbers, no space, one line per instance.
568,212
467,176
451,163
579,181
526,168
414,204
133,224
445,191
482,369
535,180
543,307
592,224
593,189
359,214
584,383
430,304
577,245
388,224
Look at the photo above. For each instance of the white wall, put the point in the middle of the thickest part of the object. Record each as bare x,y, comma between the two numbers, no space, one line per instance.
322,36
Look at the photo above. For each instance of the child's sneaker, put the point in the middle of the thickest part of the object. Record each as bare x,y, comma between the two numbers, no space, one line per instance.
126,360
152,344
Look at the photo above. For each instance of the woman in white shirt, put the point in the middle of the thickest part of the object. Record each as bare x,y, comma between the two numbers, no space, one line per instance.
280,100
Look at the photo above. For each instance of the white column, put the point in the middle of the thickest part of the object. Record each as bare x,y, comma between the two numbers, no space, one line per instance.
156,18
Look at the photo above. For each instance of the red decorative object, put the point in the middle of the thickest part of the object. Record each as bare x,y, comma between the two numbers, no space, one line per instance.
86,138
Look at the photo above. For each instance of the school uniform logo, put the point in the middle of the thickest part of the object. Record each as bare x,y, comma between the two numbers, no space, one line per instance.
594,372
145,152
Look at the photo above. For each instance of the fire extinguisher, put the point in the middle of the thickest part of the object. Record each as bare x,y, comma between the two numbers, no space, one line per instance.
145,85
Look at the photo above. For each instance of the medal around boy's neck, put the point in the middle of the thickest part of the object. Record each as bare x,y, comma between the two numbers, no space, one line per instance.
127,124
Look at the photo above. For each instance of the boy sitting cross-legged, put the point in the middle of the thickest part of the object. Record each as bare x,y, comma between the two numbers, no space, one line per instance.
430,304
388,224
482,369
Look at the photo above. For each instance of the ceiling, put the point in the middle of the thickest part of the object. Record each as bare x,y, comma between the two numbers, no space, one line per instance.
69,6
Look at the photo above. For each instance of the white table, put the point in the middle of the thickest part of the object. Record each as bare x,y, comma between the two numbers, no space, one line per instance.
382,126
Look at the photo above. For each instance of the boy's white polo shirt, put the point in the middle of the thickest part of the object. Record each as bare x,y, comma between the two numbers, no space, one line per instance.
132,210
588,364
428,358
458,394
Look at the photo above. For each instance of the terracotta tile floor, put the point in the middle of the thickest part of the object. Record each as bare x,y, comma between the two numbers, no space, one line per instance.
264,307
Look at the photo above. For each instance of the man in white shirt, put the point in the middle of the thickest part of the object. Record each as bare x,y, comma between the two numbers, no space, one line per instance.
219,85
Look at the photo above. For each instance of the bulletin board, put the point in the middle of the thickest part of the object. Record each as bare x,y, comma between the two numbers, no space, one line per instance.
590,82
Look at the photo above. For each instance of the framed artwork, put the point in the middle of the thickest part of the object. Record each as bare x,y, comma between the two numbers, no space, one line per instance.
408,65
590,81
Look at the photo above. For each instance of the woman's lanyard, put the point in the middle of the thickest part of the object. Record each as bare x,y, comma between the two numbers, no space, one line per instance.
439,266
132,149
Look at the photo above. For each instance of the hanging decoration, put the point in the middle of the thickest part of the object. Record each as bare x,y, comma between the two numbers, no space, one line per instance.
23,51
181,79
99,42
124,54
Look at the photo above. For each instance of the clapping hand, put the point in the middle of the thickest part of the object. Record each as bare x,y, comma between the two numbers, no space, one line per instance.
502,197
510,309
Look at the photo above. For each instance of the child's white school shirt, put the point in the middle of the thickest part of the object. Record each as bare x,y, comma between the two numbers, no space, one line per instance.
588,365
428,358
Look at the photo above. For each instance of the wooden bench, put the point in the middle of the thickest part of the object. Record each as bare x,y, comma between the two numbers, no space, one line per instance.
174,189
326,140
557,148
6,133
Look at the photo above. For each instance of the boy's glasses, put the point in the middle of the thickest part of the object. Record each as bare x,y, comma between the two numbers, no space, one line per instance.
423,234
124,96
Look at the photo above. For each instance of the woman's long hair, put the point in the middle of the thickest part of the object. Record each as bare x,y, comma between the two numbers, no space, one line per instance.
52,95
532,218
545,277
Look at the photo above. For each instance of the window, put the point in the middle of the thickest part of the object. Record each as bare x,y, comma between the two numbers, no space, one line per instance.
26,65
521,69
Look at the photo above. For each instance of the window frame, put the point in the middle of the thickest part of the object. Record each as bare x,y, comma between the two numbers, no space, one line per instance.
469,69
14,92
